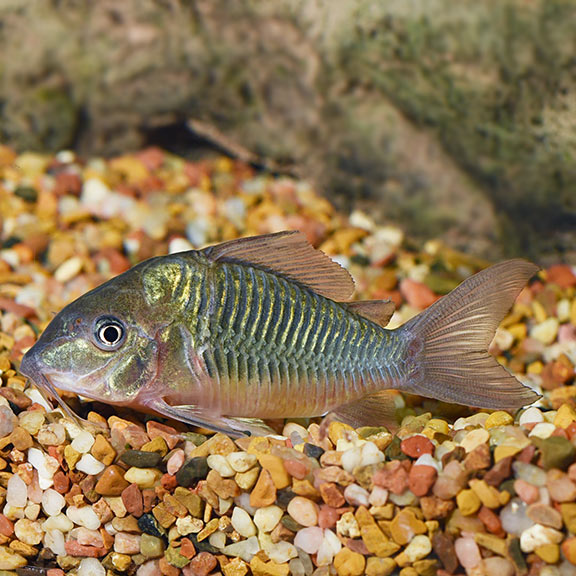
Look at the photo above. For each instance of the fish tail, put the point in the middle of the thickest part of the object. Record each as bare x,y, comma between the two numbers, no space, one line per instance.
447,344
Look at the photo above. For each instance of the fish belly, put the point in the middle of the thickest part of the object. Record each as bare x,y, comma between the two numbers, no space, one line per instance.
266,347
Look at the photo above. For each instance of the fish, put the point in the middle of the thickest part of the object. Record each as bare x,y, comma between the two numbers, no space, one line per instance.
264,327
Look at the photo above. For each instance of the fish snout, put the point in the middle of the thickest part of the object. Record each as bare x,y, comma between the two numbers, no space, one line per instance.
29,365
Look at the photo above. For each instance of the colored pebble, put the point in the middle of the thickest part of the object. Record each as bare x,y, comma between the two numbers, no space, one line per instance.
495,492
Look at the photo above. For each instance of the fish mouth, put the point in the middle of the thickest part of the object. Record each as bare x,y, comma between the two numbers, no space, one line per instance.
29,368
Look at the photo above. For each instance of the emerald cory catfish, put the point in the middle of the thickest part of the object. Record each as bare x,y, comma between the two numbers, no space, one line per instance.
262,327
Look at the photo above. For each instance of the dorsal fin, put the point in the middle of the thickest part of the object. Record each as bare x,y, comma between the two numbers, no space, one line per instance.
290,255
379,311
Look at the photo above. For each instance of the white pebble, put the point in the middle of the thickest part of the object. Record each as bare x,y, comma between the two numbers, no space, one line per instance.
356,495
467,552
83,442
242,523
531,415
330,546
241,461
267,518
282,552
46,465
371,454
89,465
245,549
52,502
28,531
54,539
84,516
351,459
428,460
217,539
179,244
542,430
539,535
68,269
60,523
378,496
309,539
17,492
220,464
91,567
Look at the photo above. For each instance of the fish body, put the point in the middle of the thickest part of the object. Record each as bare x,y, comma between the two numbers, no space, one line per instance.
263,328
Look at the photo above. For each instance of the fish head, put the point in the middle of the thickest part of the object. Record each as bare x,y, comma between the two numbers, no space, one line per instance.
101,346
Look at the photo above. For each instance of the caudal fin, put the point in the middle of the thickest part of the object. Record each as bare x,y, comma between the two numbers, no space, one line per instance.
450,341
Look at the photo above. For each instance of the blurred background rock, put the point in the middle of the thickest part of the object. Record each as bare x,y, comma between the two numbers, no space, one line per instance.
455,120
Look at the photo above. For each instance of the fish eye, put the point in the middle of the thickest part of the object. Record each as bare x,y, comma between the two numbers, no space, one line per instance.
109,333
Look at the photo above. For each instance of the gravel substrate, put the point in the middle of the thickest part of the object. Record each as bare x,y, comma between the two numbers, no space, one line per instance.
449,491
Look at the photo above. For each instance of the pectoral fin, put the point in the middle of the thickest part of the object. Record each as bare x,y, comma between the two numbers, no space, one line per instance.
198,416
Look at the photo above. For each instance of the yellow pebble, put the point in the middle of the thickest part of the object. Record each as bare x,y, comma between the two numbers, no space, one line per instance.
539,312
348,563
275,465
501,452
535,367
568,511
550,553
565,416
488,495
493,543
468,502
338,431
71,456
499,418
440,426
518,331
380,566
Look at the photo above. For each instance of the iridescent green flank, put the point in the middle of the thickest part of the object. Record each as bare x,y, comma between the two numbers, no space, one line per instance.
273,345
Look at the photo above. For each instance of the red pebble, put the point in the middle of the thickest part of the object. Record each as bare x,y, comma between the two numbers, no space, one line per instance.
166,569
491,521
417,294
421,479
149,499
74,549
417,445
6,526
201,565
55,572
327,517
393,477
133,501
331,495
561,275
187,549
171,435
357,546
296,469
169,482
526,492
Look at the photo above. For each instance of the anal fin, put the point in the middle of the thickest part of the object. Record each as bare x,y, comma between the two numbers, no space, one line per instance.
378,409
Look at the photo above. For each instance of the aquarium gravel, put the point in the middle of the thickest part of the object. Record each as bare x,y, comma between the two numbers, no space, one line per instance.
443,489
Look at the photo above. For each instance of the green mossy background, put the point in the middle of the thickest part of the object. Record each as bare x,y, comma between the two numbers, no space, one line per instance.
454,119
